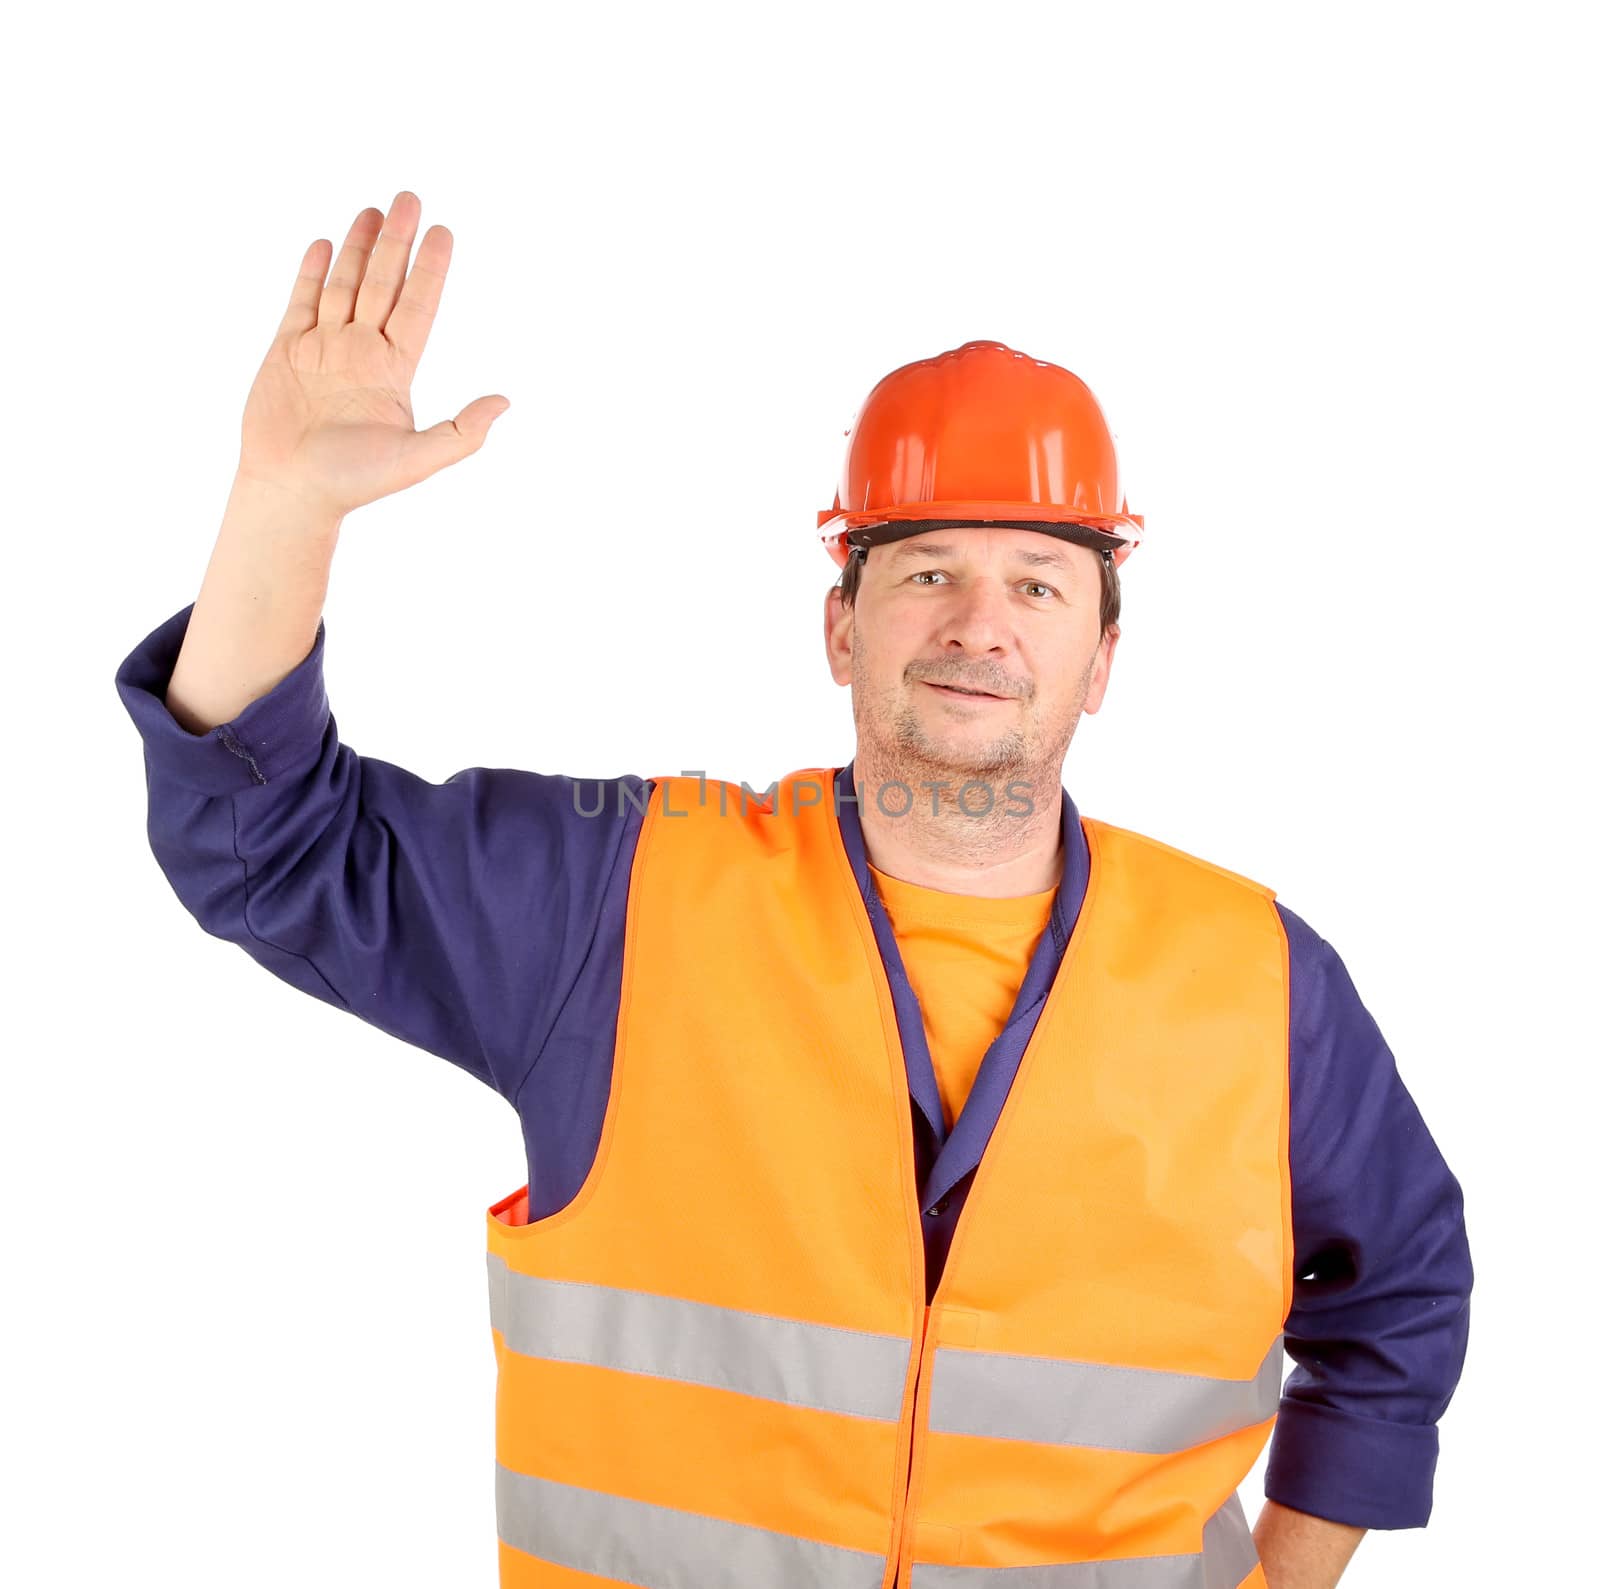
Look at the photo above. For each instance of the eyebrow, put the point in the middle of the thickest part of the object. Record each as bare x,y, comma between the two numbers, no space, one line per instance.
916,546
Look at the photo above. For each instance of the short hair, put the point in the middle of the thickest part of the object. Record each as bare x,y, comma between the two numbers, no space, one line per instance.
849,582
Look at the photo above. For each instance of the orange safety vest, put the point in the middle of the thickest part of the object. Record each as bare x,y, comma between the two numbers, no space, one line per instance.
716,1365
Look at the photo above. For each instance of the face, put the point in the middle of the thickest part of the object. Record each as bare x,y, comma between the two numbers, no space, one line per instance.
1011,613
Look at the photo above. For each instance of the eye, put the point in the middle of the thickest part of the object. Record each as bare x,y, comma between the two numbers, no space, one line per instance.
1037,584
929,571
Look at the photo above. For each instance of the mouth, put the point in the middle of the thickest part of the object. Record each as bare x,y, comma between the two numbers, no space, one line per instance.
953,692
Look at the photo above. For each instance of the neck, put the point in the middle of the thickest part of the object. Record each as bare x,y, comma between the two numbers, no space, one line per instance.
1014,847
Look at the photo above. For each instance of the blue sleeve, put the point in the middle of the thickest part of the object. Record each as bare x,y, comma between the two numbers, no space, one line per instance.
454,916
1378,1321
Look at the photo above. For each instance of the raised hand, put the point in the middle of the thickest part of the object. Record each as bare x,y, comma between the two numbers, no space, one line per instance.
329,416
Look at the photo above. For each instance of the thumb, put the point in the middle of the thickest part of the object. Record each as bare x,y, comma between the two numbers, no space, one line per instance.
453,439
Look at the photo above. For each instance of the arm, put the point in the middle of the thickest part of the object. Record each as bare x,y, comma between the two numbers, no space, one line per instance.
1299,1551
441,913
453,916
327,428
1383,1273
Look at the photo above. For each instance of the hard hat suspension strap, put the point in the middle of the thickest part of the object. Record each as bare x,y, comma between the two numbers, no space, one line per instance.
861,541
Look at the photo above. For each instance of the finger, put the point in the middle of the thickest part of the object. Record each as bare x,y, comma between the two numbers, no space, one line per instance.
408,326
453,439
301,313
386,270
333,306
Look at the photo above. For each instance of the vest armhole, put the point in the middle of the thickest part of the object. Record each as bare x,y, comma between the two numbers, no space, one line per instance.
1285,1168
608,1120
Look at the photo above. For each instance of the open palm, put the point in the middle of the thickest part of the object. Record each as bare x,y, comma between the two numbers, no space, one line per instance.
329,416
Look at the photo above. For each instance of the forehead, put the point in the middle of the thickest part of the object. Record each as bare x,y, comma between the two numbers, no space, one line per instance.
1033,548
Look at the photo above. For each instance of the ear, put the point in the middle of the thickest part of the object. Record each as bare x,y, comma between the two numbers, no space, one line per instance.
838,631
1101,675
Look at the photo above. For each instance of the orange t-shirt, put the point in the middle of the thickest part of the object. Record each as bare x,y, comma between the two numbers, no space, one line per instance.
965,957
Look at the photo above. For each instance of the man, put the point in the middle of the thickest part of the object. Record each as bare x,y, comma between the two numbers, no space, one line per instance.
925,1181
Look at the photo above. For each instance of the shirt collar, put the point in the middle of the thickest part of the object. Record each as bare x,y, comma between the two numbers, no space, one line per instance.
1069,891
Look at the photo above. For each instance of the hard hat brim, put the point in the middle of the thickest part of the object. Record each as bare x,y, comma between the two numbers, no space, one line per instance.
1118,532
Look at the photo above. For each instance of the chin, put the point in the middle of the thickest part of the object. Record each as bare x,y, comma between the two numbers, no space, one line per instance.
977,755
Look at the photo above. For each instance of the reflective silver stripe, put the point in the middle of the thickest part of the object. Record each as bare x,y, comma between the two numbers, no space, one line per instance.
661,1547
758,1354
1058,1402
1227,1557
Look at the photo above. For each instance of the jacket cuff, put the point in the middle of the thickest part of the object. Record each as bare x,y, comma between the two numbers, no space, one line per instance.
1368,1472
275,732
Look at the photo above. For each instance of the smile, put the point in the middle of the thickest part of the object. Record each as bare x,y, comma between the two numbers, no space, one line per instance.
950,691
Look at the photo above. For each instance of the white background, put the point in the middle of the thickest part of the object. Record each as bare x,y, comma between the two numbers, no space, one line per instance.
1326,270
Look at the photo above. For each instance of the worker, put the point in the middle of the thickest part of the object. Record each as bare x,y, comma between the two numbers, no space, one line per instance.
925,1180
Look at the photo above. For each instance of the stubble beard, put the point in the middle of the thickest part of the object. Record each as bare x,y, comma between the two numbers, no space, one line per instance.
898,746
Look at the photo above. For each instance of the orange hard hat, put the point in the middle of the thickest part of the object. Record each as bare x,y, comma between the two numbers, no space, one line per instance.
982,434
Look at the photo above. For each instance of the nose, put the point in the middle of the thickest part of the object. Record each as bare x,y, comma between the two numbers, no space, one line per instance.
975,620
